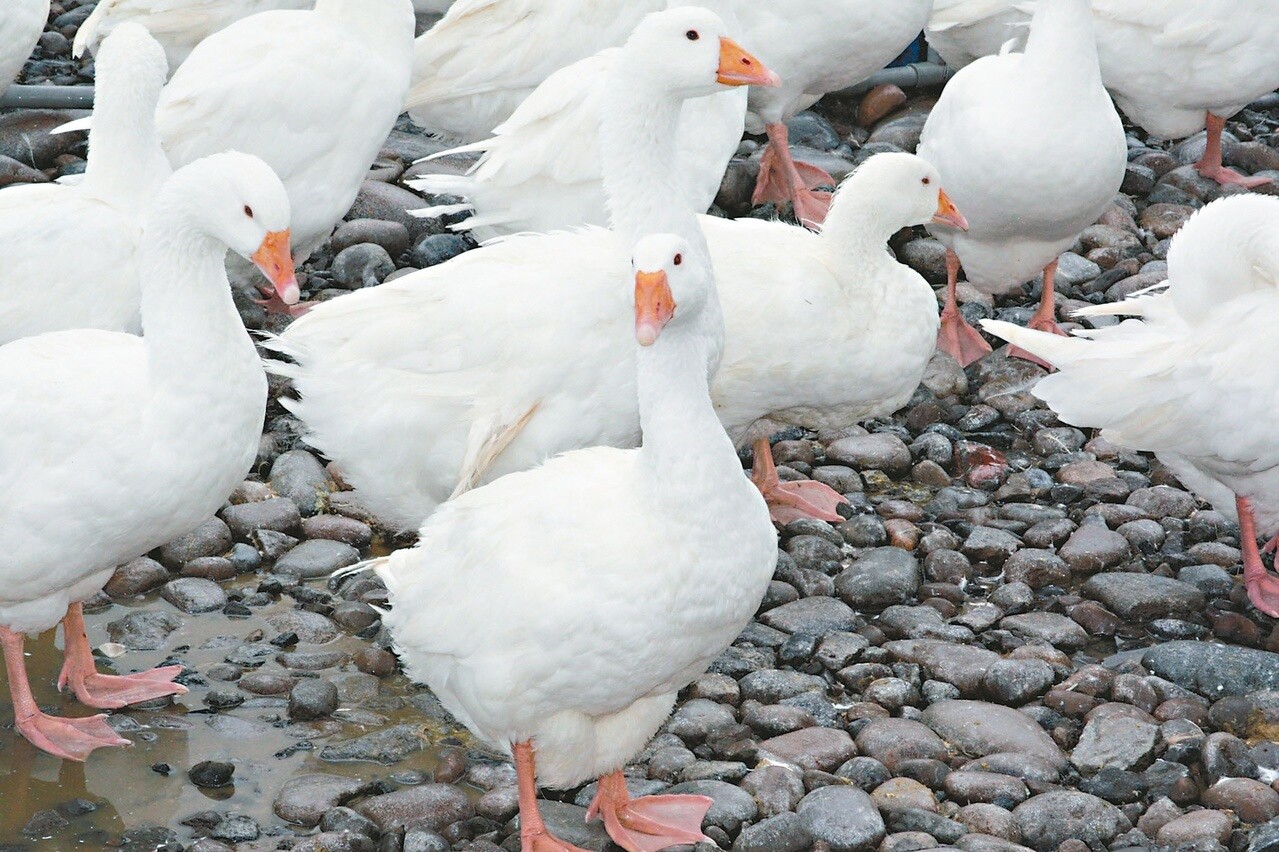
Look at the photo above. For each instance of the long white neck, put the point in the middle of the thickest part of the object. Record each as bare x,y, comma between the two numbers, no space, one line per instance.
126,163
194,338
1062,44
857,228
684,444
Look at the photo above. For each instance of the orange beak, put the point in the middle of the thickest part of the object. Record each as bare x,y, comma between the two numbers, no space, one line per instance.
275,260
739,68
948,214
654,306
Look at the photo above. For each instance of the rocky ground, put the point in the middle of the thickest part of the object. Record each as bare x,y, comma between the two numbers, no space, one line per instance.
1021,636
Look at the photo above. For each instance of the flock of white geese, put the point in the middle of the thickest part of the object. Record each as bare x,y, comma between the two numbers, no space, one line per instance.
558,607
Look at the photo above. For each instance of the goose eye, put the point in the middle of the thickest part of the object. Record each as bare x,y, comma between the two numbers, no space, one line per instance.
679,258
927,181
248,211
692,35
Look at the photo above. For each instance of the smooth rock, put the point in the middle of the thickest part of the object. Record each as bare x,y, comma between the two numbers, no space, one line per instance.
843,817
1143,597
1049,819
978,728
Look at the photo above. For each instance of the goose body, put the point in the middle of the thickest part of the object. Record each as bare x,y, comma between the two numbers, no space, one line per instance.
21,22
484,57
114,444
592,627
542,171
316,106
49,283
962,31
1184,377
996,125
506,355
179,25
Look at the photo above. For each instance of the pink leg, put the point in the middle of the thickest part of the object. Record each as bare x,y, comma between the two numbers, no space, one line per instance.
783,179
1210,164
956,337
649,823
275,305
1045,318
1263,586
789,501
69,739
108,691
533,834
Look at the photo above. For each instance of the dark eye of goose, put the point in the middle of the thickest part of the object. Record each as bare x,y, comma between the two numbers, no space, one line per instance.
927,181
248,211
679,258
692,35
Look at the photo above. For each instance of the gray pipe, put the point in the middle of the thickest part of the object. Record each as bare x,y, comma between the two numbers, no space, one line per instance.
48,97
917,75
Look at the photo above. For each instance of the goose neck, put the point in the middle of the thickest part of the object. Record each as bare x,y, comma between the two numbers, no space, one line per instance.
126,162
193,335
1062,44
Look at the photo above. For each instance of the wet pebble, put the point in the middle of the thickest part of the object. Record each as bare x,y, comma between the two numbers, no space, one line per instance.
312,698
844,818
194,594
317,558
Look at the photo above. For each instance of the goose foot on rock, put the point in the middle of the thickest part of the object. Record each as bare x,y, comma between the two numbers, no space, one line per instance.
650,823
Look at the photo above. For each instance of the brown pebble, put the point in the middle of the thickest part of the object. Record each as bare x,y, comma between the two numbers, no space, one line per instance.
1236,629
1184,792
902,533
451,766
375,661
878,103
1189,709
1074,704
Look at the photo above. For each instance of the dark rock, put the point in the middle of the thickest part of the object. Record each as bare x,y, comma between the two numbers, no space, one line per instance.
1116,742
880,451
843,817
278,514
304,799
387,746
194,594
431,806
299,476
1214,670
1143,596
978,728
211,538
1049,819
317,558
312,698
781,833
879,578
136,578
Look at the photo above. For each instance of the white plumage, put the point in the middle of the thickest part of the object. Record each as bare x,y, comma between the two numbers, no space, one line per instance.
312,93
48,282
111,444
1191,378
21,22
619,576
504,356
473,68
962,31
541,171
1031,150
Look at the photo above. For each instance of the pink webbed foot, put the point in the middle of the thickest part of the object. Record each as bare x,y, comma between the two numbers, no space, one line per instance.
69,739
1226,177
1262,585
276,305
650,823
110,692
784,179
1263,591
960,340
790,501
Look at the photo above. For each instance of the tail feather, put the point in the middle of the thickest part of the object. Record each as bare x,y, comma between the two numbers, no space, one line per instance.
1053,348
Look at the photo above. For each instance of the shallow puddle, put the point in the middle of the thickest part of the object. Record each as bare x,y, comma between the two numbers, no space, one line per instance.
129,788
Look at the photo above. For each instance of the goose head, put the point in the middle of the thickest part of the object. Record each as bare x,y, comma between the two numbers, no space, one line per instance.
237,199
687,50
904,190
671,285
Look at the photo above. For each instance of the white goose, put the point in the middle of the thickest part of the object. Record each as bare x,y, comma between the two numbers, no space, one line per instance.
1173,66
43,283
316,106
111,444
816,48
578,662
824,330
1193,378
484,57
21,23
509,354
179,25
997,124
541,171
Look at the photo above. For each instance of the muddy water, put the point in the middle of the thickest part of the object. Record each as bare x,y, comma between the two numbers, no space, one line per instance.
121,783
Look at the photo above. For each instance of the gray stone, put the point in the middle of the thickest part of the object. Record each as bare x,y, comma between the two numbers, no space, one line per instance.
781,833
387,746
732,806
986,544
304,799
1143,596
278,514
311,627
431,806
1014,682
1212,580
881,451
816,616
1050,819
978,728
1212,670
1047,627
317,558
312,698
1116,742
879,578
136,578
211,538
300,477
1094,548
965,666
891,741
843,817
194,594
